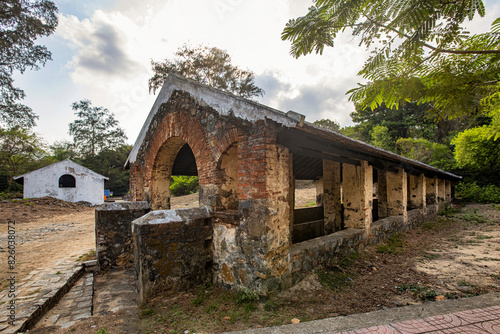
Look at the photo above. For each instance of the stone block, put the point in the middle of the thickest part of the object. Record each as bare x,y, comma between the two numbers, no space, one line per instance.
114,233
172,247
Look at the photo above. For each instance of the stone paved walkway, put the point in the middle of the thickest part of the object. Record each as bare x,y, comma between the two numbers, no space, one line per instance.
485,320
37,293
75,305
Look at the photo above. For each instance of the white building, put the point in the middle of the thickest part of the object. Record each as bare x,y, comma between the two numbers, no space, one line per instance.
65,180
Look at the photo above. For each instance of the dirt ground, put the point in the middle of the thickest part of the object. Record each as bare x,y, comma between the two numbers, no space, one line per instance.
46,230
454,256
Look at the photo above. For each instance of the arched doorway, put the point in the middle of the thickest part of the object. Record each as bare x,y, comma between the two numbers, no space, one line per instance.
174,157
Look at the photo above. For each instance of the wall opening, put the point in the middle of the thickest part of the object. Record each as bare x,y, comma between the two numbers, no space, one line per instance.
308,213
67,181
174,172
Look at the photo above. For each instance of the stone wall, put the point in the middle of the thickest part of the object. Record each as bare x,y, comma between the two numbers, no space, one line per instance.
113,232
326,251
173,248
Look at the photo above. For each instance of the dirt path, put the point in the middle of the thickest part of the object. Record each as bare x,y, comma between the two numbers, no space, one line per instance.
46,231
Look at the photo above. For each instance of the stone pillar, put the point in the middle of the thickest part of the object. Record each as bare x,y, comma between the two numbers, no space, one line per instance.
431,190
319,191
397,193
113,232
172,247
331,198
382,193
357,187
254,254
417,192
441,191
448,196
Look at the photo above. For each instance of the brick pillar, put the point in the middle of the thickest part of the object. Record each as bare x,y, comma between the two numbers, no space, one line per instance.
291,196
382,193
416,191
441,191
319,191
448,191
258,259
397,193
357,187
331,196
431,190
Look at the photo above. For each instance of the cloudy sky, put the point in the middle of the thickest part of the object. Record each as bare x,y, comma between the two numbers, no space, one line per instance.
102,50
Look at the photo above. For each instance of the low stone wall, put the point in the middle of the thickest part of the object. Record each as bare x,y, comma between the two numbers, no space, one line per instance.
307,256
113,232
172,247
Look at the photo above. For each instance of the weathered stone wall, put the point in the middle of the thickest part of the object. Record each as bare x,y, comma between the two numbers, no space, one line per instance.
113,232
172,247
307,256
357,188
332,203
253,253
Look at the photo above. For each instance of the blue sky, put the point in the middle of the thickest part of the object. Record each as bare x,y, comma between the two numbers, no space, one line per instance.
101,51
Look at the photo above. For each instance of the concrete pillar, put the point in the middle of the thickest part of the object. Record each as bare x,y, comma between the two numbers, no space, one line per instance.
441,191
331,196
416,191
431,190
397,193
448,196
382,193
357,187
319,191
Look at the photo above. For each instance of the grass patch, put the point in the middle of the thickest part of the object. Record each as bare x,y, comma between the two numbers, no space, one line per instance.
335,280
484,237
449,211
431,256
463,282
394,244
423,293
90,255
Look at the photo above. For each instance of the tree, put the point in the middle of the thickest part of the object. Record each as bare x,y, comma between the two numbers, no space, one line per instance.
328,124
21,23
434,154
479,148
209,66
62,150
381,138
95,129
20,151
110,162
420,50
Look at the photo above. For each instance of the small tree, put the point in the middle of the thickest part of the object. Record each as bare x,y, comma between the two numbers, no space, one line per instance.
21,23
95,129
20,151
328,124
209,66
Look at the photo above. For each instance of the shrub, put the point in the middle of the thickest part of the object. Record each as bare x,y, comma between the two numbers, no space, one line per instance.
472,192
183,185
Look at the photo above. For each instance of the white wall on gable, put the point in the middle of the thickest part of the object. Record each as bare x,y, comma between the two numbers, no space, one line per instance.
45,182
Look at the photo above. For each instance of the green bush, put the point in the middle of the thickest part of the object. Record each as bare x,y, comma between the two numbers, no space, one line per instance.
183,185
472,192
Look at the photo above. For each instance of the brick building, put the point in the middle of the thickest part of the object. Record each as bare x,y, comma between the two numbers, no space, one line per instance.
247,157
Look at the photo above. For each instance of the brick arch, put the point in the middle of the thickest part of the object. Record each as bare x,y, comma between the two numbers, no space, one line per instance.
229,138
189,129
172,132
